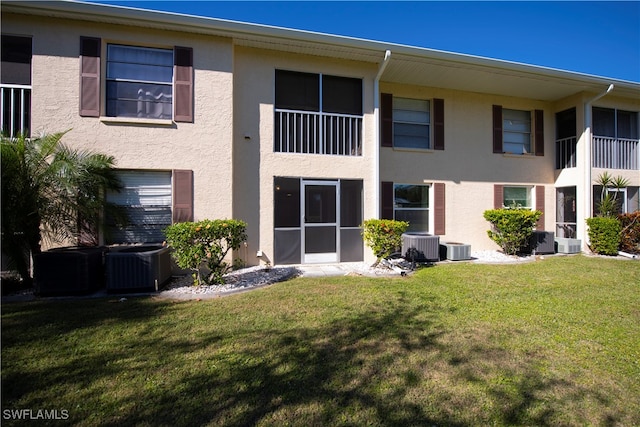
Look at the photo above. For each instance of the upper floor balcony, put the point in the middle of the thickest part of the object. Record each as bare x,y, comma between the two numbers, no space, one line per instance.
318,133
615,153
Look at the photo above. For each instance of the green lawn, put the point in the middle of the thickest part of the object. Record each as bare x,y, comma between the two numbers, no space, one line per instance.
555,342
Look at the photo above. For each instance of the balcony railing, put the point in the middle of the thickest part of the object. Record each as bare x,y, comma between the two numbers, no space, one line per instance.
566,153
615,153
15,110
317,133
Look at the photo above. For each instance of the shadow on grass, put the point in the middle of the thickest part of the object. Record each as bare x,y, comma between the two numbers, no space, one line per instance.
394,365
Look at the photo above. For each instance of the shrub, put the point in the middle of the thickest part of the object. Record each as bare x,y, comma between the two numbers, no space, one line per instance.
630,235
205,243
511,228
604,235
383,236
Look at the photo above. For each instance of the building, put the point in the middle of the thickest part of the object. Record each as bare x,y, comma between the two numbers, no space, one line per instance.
305,135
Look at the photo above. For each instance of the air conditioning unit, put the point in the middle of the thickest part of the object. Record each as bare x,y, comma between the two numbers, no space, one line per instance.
418,246
455,251
542,242
568,246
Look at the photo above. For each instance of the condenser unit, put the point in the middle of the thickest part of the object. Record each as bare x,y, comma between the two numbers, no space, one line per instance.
419,246
455,251
541,242
568,246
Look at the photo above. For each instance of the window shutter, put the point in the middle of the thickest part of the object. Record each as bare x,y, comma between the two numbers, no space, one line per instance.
386,119
439,209
539,132
497,129
183,84
90,48
438,124
540,206
182,196
498,196
386,211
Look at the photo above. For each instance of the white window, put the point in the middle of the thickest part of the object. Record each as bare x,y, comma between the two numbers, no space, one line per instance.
139,82
619,195
517,197
411,123
411,204
516,131
146,198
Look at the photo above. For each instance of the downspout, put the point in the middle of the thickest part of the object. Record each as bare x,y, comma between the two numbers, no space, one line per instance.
376,118
588,119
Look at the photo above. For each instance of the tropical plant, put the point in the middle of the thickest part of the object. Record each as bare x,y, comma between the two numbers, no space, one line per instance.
50,193
205,243
383,236
608,206
511,228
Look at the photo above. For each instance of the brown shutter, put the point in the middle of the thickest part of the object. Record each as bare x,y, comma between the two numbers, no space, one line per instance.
538,141
438,124
540,206
386,119
439,209
497,129
183,86
90,48
182,195
498,196
386,197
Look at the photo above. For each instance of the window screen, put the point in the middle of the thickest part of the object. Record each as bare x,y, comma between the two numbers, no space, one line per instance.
342,95
16,60
286,202
297,91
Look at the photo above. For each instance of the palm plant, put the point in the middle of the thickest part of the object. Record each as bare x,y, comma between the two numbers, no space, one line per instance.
50,191
608,205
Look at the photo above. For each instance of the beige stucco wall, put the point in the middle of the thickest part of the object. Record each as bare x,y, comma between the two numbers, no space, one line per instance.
255,162
229,146
203,146
467,166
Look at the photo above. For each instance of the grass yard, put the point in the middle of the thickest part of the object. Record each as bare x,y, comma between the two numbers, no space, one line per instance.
555,342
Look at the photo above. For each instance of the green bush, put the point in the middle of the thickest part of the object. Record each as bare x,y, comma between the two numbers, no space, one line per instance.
511,228
383,236
604,235
205,243
630,235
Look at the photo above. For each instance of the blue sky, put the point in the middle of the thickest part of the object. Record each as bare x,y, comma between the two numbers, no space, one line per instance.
597,38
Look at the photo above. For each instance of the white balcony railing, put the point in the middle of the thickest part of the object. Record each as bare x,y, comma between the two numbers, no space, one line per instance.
615,153
317,133
15,110
566,150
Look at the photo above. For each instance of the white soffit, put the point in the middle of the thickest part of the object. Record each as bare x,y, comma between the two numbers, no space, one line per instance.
408,64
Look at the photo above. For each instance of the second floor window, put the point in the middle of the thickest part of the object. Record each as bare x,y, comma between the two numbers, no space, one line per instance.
139,82
411,123
516,131
615,123
318,114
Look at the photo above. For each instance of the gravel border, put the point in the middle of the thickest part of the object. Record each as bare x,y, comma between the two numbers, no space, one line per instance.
235,281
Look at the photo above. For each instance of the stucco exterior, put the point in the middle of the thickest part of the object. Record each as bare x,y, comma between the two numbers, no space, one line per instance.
229,144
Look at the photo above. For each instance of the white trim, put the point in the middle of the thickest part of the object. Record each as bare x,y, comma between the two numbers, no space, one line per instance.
377,141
